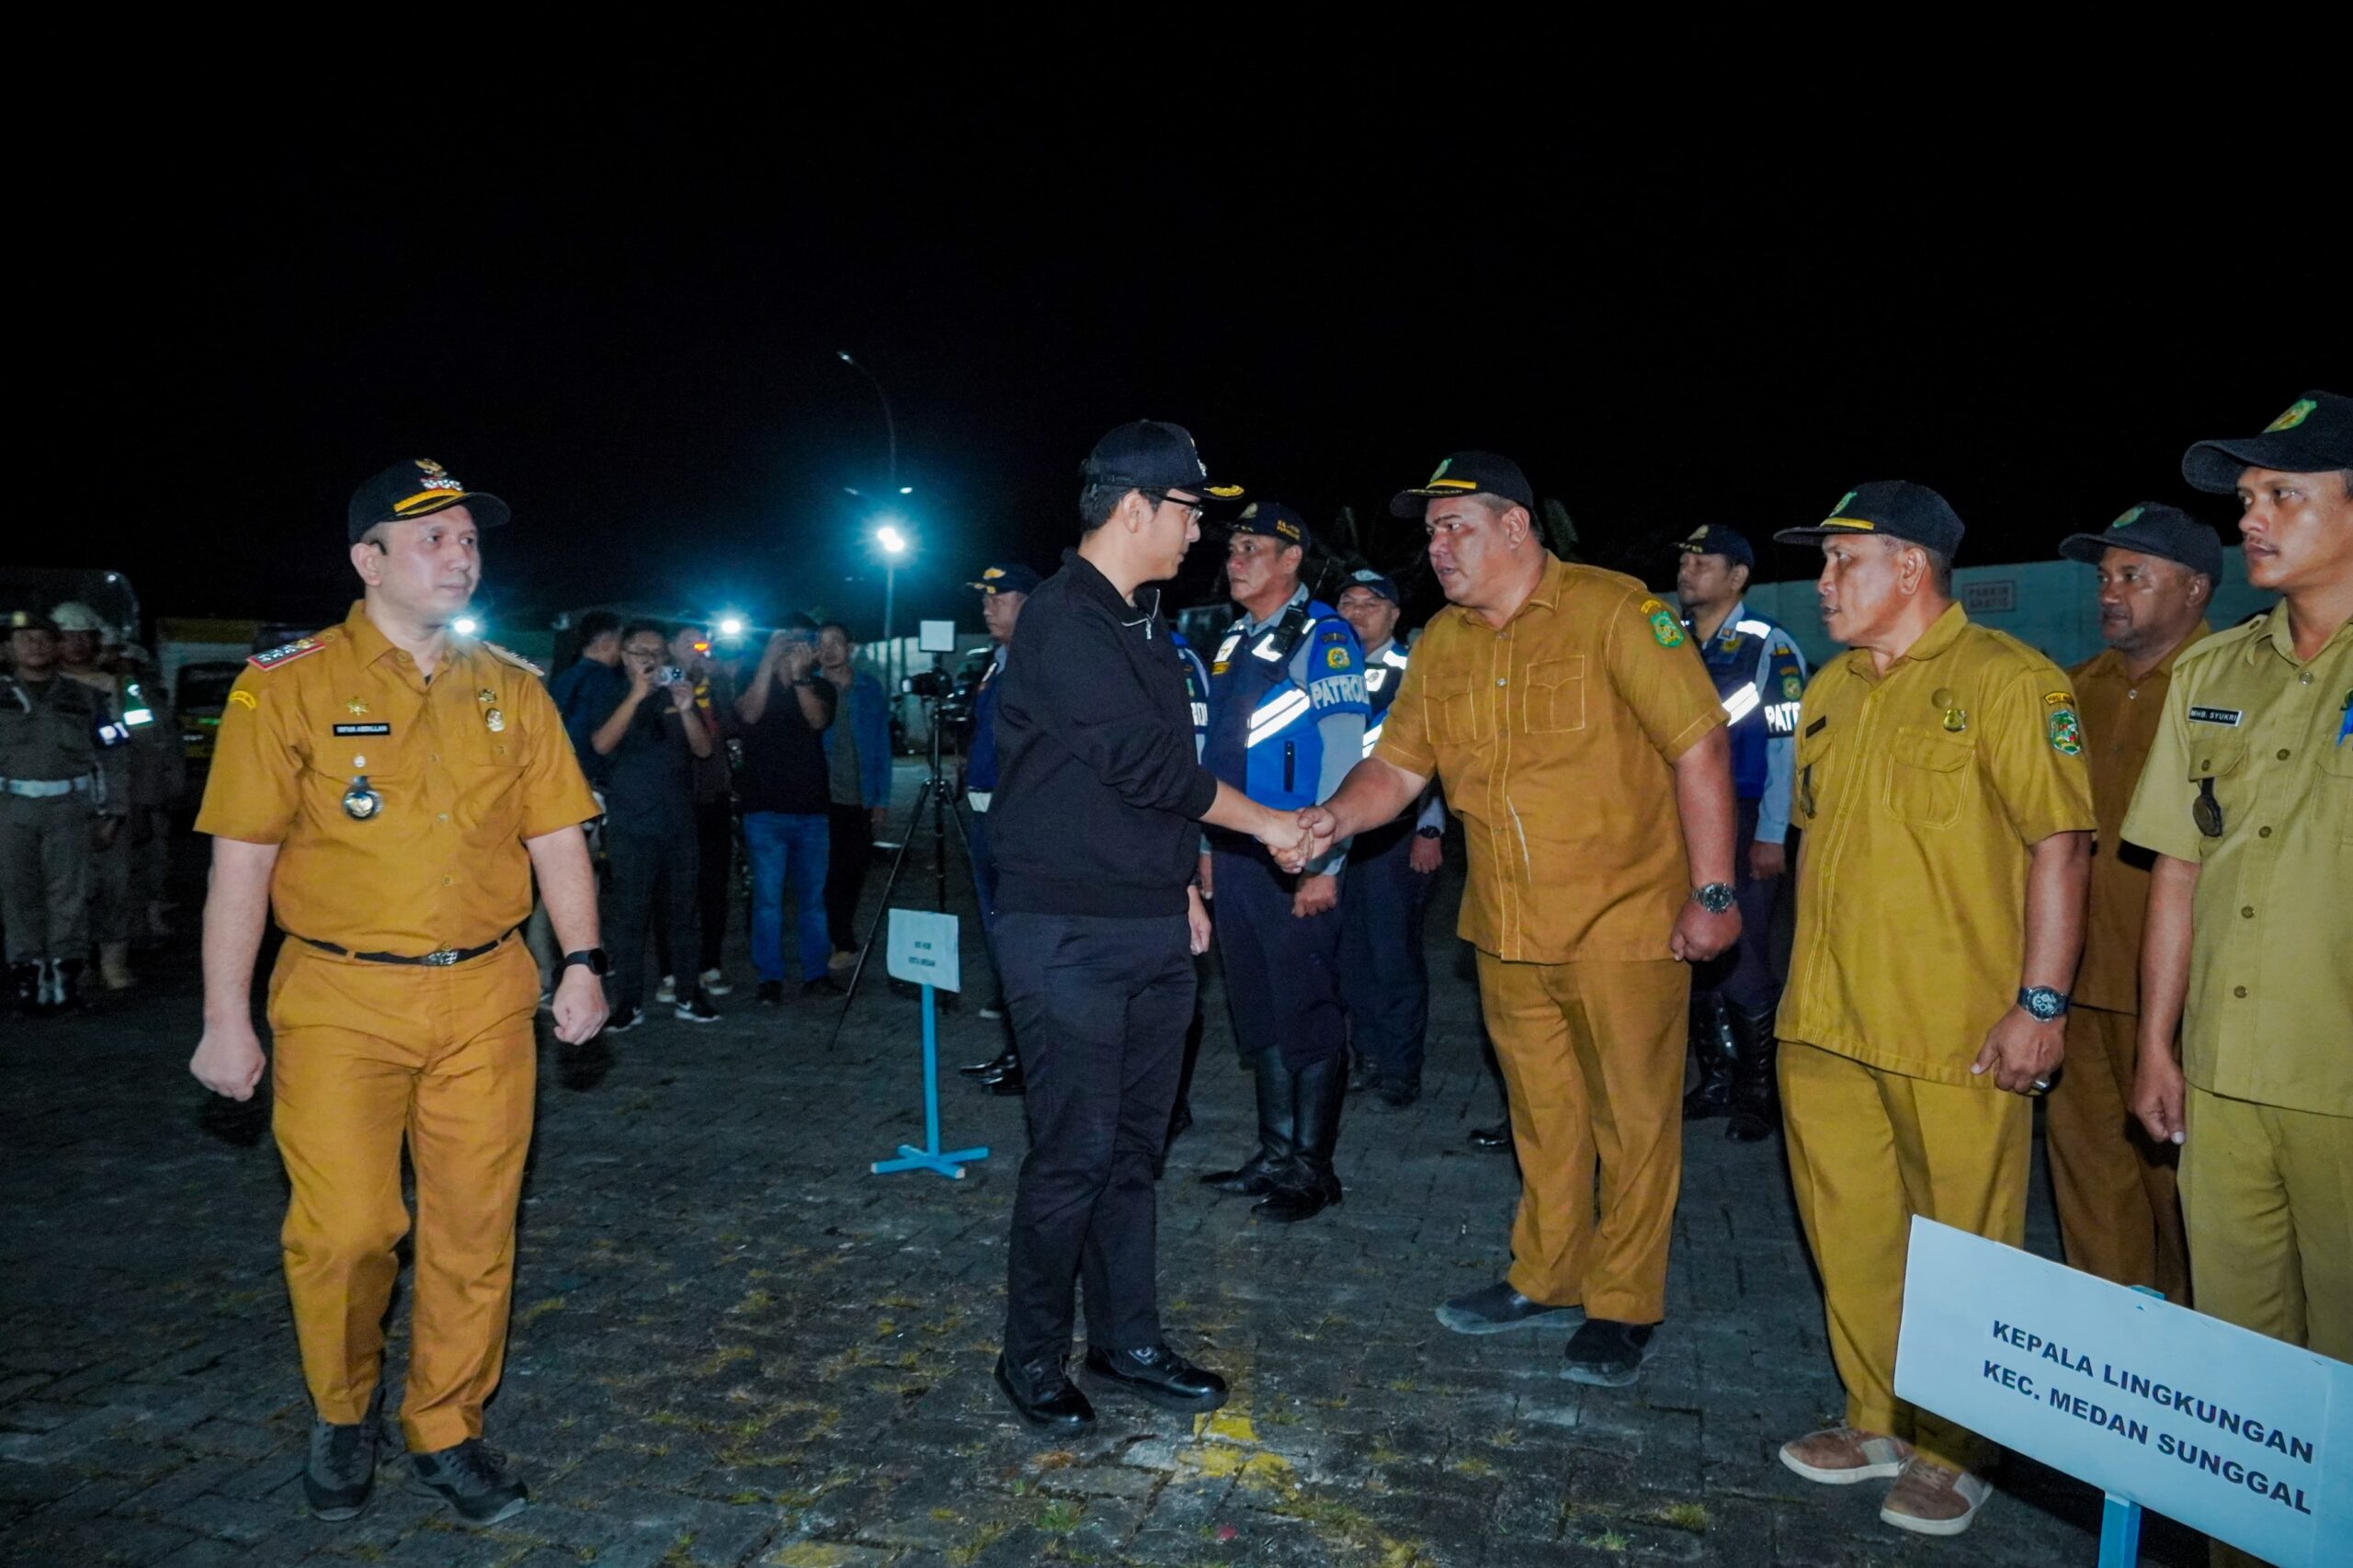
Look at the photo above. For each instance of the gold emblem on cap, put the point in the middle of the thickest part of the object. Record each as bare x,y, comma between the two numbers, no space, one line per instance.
429,466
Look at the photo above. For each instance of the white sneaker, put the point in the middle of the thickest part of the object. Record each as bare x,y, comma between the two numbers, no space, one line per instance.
1934,1499
668,990
713,984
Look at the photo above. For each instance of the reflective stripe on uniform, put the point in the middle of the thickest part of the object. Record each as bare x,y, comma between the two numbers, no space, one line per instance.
1740,702
1276,715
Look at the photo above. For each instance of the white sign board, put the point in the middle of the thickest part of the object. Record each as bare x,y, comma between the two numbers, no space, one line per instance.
923,949
936,636
2247,1438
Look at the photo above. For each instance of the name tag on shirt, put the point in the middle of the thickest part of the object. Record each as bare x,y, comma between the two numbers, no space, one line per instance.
2215,716
363,729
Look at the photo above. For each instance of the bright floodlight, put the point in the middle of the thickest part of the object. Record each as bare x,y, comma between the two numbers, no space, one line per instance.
892,542
465,625
906,490
731,626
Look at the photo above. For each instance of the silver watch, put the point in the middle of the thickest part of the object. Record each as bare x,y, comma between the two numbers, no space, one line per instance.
1715,898
2042,1001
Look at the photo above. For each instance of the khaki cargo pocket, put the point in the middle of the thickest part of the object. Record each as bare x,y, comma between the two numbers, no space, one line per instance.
1555,702
1925,776
1453,710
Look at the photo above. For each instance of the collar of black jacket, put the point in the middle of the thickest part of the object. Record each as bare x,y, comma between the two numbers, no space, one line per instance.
1084,574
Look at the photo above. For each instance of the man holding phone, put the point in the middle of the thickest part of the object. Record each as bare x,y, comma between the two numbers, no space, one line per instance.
787,795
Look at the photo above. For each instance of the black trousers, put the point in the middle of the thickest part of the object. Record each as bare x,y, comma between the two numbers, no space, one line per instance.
1748,975
1384,980
650,872
714,876
1282,973
850,846
1099,1007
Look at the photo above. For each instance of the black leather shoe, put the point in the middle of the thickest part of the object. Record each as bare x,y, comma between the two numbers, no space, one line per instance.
341,1470
1396,1093
1058,1406
1609,1355
471,1479
1010,1084
991,1067
1497,1309
1160,1375
1495,1140
824,985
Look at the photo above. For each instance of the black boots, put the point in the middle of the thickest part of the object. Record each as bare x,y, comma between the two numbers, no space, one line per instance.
1305,1186
1277,1117
1712,1042
1756,1103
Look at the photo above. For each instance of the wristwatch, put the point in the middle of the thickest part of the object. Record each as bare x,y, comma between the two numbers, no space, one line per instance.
2042,1001
591,958
1429,833
1715,898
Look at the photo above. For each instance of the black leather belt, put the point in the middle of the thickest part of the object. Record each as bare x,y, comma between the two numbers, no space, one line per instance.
441,957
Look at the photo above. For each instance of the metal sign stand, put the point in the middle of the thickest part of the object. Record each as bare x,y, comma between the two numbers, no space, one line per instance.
930,1157
2119,1516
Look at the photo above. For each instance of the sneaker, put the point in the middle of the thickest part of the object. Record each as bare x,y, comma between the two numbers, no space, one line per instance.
1497,1307
1841,1456
341,1470
1609,1355
667,992
1929,1498
713,983
771,992
471,1479
695,1010
843,958
623,1020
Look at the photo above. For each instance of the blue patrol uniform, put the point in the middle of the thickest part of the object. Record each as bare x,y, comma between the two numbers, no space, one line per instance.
1759,676
1285,723
1384,980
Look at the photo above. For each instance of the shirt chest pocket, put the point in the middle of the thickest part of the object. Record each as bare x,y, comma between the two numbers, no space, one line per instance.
1927,775
1809,788
1555,696
2336,781
1457,715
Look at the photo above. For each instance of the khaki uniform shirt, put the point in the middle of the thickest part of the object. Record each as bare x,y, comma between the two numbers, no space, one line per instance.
2120,717
1554,737
468,765
2269,1015
1921,793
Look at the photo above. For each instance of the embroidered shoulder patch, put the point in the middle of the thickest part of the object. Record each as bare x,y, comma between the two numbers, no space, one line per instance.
2066,734
1336,656
1666,630
514,658
287,654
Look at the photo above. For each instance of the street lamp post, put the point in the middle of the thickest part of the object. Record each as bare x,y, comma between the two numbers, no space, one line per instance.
894,544
889,421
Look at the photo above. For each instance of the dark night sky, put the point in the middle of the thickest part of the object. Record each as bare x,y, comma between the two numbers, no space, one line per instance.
622,319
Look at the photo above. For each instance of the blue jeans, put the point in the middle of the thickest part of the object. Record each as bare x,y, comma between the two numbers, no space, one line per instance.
788,846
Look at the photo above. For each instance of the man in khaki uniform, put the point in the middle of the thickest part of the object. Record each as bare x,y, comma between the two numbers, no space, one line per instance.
61,794
2247,801
388,789
2117,1211
1947,814
1585,749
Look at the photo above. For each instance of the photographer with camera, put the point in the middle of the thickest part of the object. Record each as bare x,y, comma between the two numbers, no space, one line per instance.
857,763
651,741
788,798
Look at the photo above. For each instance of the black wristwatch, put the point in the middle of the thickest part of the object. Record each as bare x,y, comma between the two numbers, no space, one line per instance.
2042,1001
593,959
1715,897
1429,833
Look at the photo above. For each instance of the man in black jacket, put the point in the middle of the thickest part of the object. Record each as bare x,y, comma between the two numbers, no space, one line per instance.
1091,831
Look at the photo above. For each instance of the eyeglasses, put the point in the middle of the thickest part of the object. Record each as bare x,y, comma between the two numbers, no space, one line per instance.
1192,509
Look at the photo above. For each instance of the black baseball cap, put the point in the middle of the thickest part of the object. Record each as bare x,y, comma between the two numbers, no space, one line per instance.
418,488
1714,539
1379,583
1467,473
30,620
1010,578
1273,519
2313,435
1151,454
1890,508
2152,529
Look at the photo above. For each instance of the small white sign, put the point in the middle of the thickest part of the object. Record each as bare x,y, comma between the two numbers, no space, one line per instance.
936,636
923,949
2247,1438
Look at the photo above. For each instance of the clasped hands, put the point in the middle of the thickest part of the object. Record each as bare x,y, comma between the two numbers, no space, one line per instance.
1294,838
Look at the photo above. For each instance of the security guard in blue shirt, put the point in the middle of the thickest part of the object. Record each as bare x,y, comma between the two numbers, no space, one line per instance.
1384,980
1285,723
1004,589
1760,675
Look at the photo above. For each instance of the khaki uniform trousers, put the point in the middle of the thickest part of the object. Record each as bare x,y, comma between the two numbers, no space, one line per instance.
2119,1212
1592,1055
1869,1149
368,1056
111,888
45,876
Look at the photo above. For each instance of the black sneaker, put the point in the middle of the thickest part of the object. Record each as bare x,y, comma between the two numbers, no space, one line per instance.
771,994
1497,1309
471,1478
341,1470
621,1022
695,1010
1609,1355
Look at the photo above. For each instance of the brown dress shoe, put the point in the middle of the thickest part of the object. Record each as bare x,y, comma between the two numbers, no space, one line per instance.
1841,1456
1929,1498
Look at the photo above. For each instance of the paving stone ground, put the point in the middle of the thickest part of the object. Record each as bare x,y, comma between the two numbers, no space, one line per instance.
733,1344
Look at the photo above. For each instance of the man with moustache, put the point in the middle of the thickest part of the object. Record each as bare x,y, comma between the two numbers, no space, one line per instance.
1948,820
388,789
2247,801
2119,1214
1092,832
1584,748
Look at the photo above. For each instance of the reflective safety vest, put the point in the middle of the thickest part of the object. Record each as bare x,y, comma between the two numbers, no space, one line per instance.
1383,673
1197,688
1759,677
1262,735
